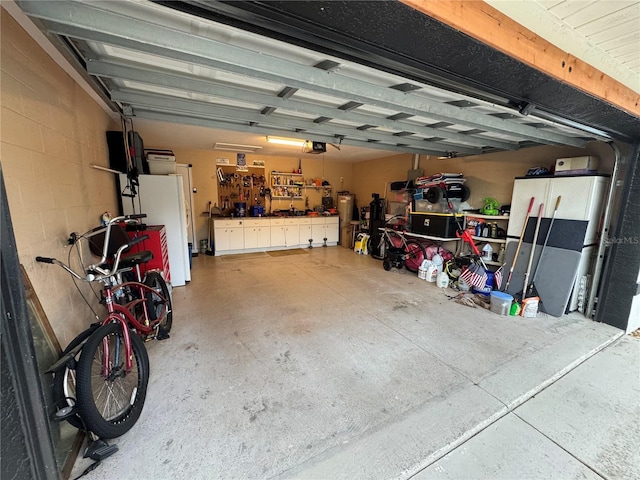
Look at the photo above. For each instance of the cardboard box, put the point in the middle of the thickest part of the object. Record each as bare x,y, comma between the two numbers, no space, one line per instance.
441,225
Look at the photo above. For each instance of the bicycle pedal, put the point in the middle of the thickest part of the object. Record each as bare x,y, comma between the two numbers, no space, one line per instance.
162,336
64,413
99,450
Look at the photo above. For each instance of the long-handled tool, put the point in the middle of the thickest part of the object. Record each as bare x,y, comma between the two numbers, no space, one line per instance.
533,251
210,246
531,292
520,240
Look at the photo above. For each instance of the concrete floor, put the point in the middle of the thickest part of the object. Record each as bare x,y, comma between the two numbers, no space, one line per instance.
323,365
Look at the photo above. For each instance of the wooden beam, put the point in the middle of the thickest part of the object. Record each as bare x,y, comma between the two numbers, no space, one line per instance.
488,25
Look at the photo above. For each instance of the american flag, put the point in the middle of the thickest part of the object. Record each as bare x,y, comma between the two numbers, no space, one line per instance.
474,275
497,277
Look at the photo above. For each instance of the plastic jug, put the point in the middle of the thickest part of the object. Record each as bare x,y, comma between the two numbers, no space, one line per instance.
438,262
432,273
442,280
487,252
422,271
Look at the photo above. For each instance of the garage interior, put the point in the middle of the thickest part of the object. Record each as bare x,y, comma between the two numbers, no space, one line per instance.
321,363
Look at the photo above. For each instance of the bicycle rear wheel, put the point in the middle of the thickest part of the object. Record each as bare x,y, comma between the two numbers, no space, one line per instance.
111,402
156,306
414,255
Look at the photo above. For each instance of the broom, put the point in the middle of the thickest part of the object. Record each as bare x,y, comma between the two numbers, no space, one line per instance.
531,291
520,240
533,251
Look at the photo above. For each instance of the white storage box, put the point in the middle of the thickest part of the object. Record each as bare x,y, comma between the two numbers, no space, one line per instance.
161,164
582,164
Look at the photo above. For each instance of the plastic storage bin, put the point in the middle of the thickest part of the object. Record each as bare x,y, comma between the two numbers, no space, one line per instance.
500,302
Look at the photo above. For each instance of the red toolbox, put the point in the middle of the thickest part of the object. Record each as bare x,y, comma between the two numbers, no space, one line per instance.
157,244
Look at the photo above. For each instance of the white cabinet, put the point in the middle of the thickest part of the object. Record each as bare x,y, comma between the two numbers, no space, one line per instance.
261,234
228,235
305,231
291,232
317,230
582,199
332,230
325,228
257,233
277,232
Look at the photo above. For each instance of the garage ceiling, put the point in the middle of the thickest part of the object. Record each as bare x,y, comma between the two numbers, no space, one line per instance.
158,64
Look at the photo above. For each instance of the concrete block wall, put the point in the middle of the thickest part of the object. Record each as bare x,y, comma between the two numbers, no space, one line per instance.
51,132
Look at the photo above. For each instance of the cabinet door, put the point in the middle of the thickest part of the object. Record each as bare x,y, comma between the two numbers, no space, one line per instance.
523,190
305,234
263,236
236,238
332,231
221,239
277,236
317,230
250,237
582,199
292,235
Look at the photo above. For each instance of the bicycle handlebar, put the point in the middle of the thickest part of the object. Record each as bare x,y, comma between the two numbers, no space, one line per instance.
45,260
99,268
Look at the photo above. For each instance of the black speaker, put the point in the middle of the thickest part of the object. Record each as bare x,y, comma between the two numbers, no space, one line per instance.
117,154
138,158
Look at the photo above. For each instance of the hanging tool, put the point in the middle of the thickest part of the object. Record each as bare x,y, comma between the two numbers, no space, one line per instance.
533,251
515,257
210,247
532,292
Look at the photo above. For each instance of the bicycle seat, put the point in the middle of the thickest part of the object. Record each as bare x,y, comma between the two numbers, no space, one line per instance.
136,258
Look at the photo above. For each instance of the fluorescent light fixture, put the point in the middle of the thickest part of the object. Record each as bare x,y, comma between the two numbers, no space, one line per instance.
235,147
286,141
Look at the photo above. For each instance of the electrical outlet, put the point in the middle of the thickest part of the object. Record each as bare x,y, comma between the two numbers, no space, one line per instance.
341,179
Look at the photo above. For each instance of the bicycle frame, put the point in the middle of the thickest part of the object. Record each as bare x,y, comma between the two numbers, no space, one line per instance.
112,281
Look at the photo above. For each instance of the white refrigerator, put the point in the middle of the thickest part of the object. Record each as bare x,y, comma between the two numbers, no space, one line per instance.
161,197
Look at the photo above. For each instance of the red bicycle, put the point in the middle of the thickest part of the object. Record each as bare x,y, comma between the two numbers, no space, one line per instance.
104,373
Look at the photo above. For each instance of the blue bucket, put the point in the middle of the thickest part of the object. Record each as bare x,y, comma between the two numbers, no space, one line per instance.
241,209
486,290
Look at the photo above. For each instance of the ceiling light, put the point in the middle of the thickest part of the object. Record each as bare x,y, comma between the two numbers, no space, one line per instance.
286,141
235,147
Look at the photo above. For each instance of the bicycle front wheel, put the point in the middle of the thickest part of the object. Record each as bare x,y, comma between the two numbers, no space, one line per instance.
414,255
64,379
159,303
111,401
